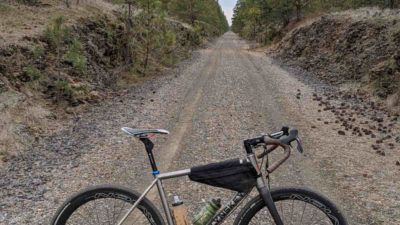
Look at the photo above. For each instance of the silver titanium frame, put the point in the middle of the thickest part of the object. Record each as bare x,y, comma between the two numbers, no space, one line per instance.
158,180
216,220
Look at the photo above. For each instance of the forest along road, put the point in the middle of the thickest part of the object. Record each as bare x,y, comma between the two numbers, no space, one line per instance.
211,103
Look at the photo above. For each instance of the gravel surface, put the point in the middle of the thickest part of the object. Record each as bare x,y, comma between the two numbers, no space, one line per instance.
211,103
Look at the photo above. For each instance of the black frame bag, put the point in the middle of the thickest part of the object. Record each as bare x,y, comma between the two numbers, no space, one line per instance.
235,174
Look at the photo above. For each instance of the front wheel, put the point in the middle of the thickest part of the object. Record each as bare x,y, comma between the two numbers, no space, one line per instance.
106,205
296,206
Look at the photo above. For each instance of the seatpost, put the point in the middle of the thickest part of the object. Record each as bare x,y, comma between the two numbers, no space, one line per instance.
148,144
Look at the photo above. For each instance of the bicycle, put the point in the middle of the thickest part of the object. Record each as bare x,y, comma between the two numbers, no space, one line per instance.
240,175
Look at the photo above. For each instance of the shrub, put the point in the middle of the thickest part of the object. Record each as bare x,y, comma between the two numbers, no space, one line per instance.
75,56
63,88
32,73
169,39
37,51
56,34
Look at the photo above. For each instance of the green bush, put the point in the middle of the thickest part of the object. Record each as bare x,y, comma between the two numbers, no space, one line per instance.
56,33
32,73
63,87
75,56
37,51
169,38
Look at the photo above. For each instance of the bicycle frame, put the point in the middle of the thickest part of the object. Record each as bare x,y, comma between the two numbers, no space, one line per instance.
216,220
220,217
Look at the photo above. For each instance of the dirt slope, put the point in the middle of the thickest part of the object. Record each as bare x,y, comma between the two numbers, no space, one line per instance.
351,46
32,20
26,111
42,85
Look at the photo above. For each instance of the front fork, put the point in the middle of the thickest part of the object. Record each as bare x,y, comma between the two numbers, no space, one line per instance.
263,189
269,202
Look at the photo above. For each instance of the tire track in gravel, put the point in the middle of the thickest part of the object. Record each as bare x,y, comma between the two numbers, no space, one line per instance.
276,115
239,103
184,119
223,116
183,123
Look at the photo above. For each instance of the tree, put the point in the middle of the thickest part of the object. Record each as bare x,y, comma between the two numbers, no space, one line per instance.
299,5
193,11
254,19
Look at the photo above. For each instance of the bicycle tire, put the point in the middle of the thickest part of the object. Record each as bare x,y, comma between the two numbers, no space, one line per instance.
314,199
106,193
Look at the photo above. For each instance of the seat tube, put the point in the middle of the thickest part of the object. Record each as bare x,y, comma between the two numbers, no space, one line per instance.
148,144
164,202
269,202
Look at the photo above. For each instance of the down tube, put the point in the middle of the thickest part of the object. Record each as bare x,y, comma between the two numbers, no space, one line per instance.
233,203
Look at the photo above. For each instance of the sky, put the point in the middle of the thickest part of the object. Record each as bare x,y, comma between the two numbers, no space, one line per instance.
227,6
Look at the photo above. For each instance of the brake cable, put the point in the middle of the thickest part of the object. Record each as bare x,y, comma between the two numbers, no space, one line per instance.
266,165
268,177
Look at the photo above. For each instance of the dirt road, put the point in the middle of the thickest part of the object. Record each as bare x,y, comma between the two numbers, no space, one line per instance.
211,103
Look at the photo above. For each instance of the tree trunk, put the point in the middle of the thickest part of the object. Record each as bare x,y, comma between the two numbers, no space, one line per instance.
298,12
191,13
146,61
391,4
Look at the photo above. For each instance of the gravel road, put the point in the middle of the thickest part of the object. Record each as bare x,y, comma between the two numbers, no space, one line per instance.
210,103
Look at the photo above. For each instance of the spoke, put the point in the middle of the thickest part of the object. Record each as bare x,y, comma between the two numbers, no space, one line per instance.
323,217
312,215
97,215
253,222
81,216
89,212
86,212
298,214
304,209
113,214
291,215
259,217
269,218
105,211
107,215
120,211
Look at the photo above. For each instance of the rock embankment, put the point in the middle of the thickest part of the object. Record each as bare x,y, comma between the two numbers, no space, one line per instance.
350,46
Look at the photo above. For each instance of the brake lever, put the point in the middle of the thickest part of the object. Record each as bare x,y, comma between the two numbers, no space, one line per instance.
299,145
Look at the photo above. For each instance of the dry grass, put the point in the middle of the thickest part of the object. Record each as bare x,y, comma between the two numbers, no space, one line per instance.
21,123
18,21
